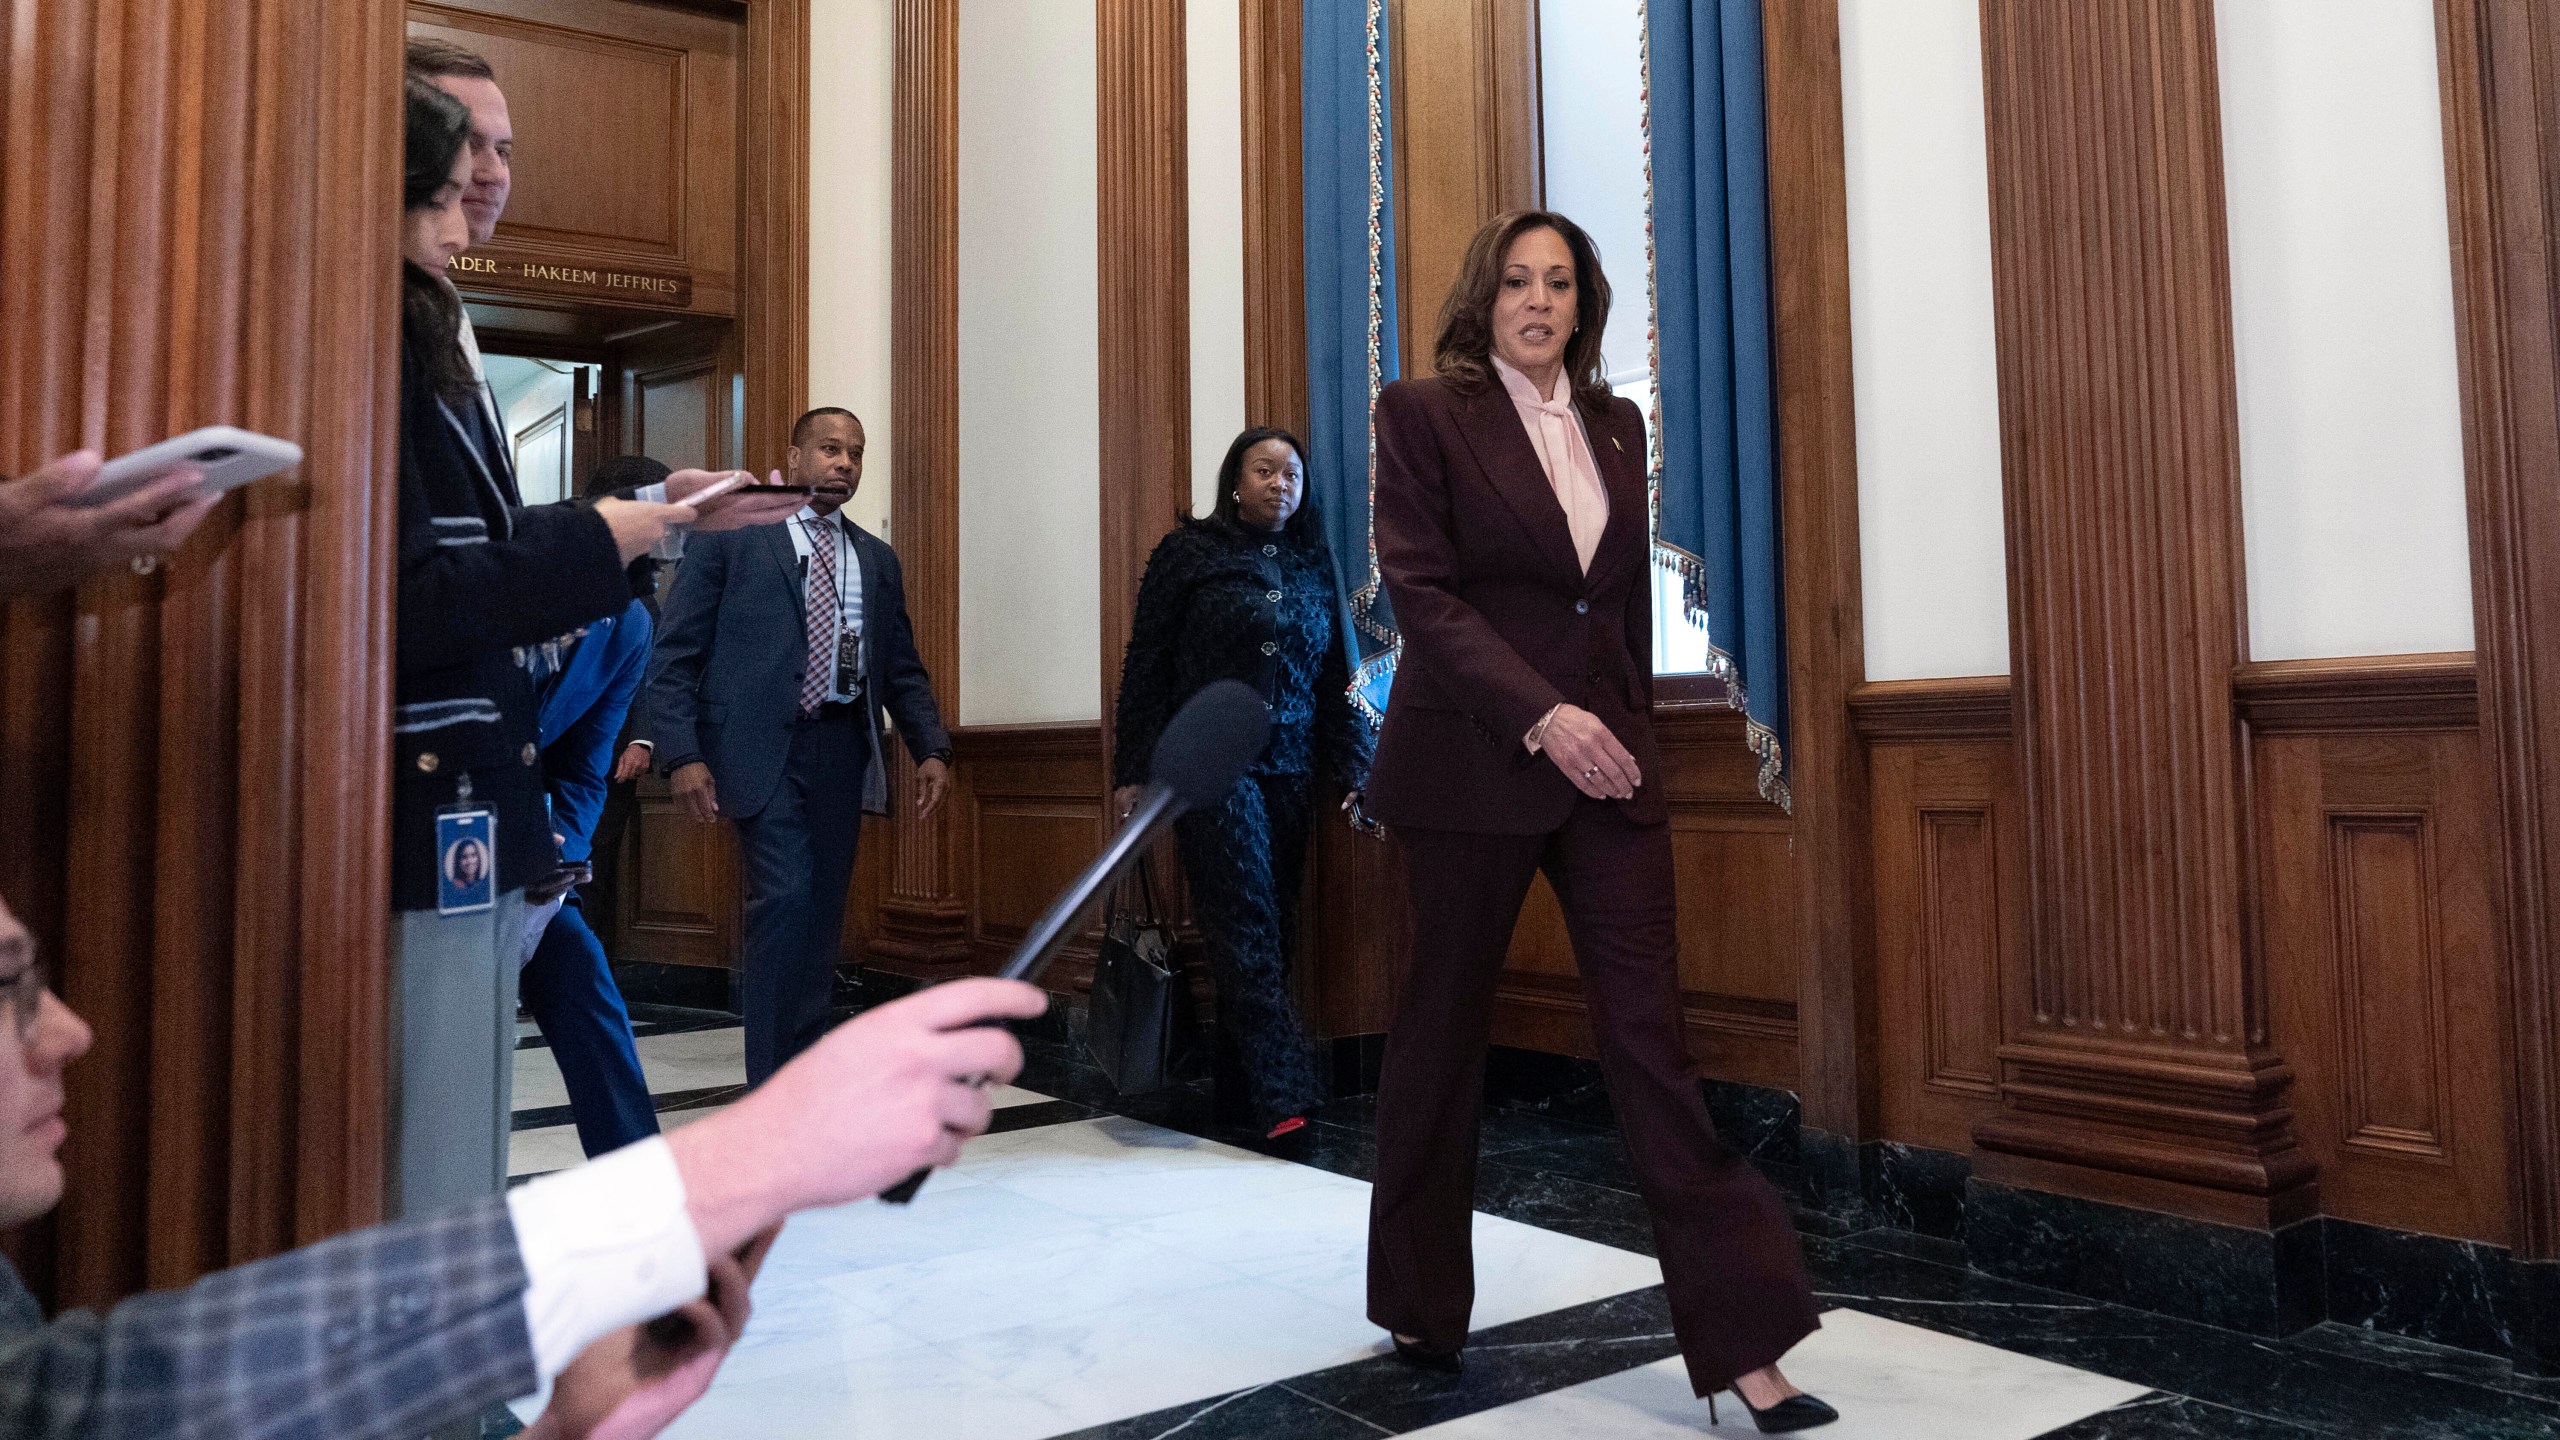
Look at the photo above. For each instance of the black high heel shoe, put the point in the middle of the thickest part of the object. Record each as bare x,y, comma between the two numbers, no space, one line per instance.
1796,1412
1423,1357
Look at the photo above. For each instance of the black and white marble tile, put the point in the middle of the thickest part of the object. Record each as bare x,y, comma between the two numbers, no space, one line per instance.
2175,1417
1890,1381
1071,1275
2313,1386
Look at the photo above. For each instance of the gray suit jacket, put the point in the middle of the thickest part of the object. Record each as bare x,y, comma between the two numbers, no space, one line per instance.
387,1332
724,680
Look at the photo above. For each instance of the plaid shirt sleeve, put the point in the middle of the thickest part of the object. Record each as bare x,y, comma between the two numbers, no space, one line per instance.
386,1332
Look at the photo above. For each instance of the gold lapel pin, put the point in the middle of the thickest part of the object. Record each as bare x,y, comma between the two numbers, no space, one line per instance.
1613,441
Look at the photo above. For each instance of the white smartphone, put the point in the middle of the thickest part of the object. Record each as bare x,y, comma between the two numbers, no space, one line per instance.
714,490
229,457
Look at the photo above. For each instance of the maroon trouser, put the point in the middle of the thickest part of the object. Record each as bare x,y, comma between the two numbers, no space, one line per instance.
1731,1264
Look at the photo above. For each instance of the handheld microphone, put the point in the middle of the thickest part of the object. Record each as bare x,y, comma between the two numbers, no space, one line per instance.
1206,746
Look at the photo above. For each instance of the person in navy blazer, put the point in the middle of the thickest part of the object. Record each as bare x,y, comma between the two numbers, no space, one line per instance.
1513,537
781,651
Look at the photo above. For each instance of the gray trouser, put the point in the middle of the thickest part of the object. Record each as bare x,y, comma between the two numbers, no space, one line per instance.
454,1020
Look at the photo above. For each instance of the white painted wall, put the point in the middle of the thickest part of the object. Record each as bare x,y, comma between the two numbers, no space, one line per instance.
1214,76
526,391
2342,309
1030,523
1933,564
1591,78
852,67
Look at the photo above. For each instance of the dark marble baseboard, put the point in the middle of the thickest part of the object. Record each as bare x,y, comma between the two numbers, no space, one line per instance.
692,987
1351,1064
2259,1281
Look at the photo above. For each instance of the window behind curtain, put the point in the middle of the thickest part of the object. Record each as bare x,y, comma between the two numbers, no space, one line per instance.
1592,104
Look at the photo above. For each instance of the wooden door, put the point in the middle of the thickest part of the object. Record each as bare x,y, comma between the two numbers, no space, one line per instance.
681,898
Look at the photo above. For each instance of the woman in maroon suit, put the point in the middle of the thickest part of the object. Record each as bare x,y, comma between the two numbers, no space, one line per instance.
1512,534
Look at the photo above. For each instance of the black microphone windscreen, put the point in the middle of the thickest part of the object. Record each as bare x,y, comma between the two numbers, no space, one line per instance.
1209,742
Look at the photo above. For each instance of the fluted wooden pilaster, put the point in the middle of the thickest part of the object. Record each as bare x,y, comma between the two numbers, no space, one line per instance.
923,920
1143,205
2499,62
2136,1044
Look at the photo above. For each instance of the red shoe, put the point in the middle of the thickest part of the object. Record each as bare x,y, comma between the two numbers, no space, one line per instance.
1290,1126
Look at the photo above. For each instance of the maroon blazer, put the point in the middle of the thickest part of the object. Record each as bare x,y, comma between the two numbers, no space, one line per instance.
1500,623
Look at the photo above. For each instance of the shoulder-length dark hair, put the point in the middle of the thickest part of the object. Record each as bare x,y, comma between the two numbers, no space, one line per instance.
1464,354
430,312
1302,526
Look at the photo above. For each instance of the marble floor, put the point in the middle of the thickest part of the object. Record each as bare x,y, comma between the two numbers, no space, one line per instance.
1100,1269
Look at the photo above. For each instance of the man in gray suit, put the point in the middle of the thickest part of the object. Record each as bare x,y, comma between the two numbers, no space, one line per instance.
780,651
387,1333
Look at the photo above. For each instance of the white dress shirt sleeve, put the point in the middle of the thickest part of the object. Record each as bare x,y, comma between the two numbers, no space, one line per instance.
670,546
605,1245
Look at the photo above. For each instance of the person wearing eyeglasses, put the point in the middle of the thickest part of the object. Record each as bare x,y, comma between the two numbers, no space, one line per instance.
388,1333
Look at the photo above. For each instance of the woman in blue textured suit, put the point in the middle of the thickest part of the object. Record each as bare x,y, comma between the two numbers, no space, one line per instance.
1248,594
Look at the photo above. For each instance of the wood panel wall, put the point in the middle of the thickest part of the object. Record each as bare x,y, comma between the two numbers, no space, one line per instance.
1027,806
628,120
922,917
1826,626
2366,802
1464,87
2278,954
2499,62
194,761
2135,1040
1737,922
1143,209
1950,899
2381,940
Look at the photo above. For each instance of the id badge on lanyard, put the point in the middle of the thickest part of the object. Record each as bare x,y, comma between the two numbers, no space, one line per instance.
466,855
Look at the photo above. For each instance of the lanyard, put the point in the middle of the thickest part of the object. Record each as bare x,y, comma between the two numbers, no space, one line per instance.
833,535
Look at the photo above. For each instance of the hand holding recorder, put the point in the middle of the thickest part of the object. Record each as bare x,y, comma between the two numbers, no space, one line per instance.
886,1093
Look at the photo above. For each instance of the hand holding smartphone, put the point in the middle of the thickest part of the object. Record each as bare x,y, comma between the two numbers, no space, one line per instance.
741,501
229,458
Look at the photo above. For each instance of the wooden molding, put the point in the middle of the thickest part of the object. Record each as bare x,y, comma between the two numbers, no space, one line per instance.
923,921
1826,657
1275,217
1030,800
2358,695
1143,201
1467,141
2135,1039
195,762
1975,707
774,269
2499,65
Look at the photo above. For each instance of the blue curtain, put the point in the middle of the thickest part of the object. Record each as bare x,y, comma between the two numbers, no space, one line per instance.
1716,497
1351,307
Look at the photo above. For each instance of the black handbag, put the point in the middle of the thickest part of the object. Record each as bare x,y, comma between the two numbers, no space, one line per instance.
1140,1016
